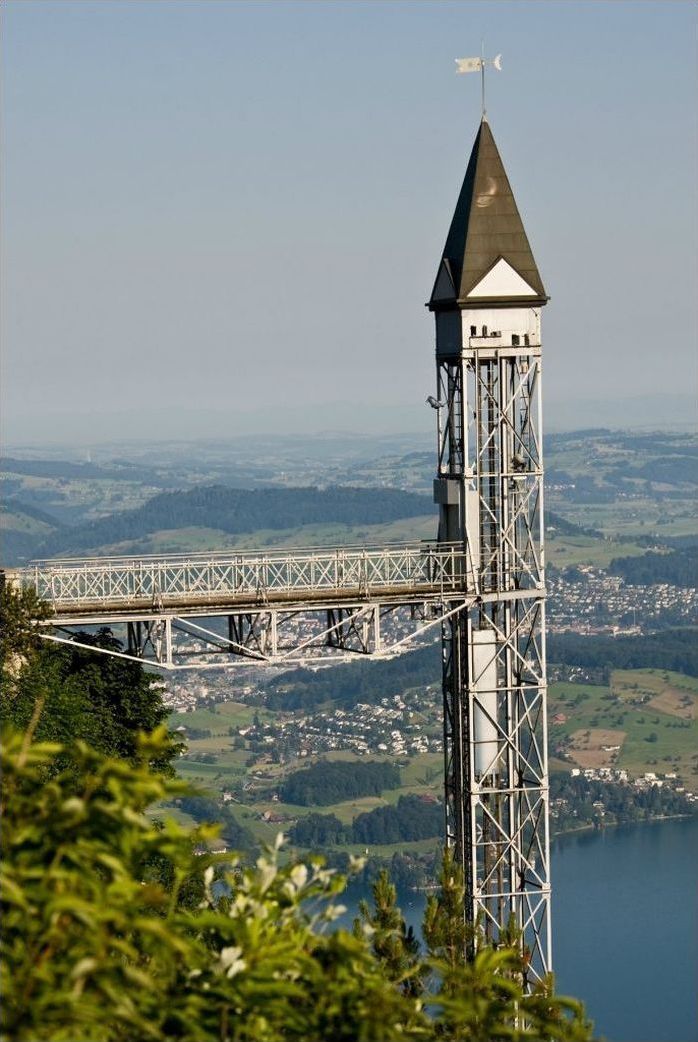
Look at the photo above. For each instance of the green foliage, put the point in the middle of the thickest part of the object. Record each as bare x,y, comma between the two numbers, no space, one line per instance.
445,931
318,831
482,998
678,567
393,943
674,649
89,936
205,810
116,931
59,692
574,798
18,639
331,782
410,819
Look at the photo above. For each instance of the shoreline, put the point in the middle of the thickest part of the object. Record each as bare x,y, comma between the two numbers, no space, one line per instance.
432,887
619,824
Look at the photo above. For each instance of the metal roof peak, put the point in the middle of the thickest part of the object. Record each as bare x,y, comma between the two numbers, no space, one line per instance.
486,227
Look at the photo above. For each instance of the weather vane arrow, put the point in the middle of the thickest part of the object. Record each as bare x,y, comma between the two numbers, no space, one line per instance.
478,65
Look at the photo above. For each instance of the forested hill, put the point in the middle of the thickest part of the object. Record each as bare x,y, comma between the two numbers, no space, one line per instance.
236,511
674,649
679,567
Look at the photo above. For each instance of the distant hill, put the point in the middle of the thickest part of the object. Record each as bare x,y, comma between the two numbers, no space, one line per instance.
22,529
235,511
28,532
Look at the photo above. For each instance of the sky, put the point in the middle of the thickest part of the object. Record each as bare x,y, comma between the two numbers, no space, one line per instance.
224,218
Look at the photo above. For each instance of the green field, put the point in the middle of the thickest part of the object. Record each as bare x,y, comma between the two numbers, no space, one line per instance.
640,704
637,705
625,518
226,715
561,551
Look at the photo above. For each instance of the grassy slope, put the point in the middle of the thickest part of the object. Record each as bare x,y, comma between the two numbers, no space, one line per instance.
611,708
562,551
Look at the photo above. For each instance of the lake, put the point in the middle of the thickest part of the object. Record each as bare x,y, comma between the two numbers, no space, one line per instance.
625,936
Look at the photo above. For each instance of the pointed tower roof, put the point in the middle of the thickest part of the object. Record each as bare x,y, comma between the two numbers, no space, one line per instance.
487,258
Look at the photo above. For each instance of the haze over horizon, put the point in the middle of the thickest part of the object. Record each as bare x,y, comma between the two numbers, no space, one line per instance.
222,218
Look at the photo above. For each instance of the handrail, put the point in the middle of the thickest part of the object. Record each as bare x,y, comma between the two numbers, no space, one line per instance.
268,574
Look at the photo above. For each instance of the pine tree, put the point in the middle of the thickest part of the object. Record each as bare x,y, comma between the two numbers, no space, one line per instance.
393,943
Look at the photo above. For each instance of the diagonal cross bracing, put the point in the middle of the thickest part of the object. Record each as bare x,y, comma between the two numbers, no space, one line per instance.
103,586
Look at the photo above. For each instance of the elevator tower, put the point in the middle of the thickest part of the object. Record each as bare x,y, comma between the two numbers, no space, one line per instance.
487,301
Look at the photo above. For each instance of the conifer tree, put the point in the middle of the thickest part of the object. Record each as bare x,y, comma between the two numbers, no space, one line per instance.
393,943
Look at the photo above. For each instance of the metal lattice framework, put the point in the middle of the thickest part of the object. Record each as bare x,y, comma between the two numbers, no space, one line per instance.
482,582
120,584
283,607
490,467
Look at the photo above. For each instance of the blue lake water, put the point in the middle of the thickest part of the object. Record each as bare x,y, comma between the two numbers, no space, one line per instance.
625,928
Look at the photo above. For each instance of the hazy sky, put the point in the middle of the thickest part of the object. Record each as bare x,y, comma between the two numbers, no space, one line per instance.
220,217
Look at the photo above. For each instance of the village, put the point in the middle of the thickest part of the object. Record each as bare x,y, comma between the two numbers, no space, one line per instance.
598,602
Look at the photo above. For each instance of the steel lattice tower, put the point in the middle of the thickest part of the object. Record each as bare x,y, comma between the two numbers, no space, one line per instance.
486,301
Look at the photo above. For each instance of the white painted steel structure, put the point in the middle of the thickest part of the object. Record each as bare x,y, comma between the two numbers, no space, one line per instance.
74,587
490,486
259,607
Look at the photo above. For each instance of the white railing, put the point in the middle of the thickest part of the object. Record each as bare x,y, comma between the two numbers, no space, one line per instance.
256,576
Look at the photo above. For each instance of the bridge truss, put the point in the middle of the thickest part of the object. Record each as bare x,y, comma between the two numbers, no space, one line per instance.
279,607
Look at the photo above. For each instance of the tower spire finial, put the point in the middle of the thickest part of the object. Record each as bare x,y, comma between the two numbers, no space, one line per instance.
478,65
482,75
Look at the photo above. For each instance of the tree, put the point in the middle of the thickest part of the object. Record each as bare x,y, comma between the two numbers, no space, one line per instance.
18,635
116,929
446,934
481,997
61,692
393,943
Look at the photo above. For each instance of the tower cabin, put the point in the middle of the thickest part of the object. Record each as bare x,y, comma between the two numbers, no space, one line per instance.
488,281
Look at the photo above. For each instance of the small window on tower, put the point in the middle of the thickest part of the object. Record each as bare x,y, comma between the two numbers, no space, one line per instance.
515,339
473,330
484,330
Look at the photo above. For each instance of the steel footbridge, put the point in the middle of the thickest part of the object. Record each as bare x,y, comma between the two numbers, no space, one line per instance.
276,606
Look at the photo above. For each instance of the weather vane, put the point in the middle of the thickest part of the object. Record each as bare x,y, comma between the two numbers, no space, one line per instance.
478,65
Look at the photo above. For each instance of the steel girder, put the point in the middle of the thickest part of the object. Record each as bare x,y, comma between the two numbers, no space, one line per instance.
298,635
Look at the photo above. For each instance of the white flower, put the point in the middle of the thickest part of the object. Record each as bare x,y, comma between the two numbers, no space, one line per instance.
299,876
231,962
267,874
334,911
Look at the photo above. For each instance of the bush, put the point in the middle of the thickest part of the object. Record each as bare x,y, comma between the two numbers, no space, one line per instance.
116,930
